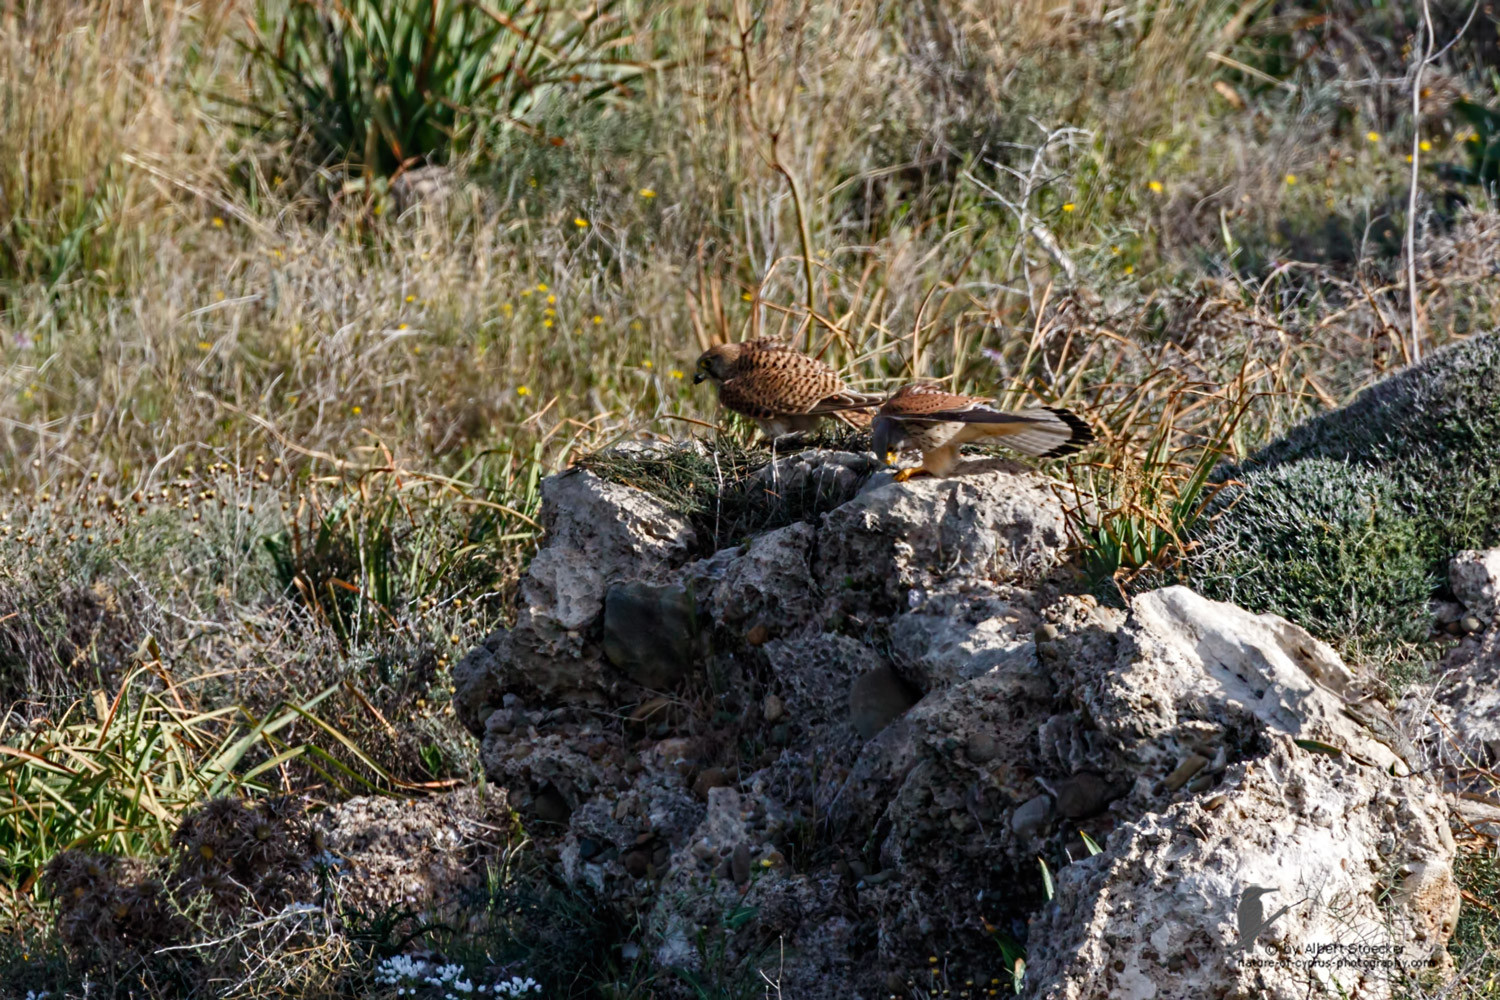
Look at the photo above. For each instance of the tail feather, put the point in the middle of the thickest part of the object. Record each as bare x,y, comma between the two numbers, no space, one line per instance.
1043,432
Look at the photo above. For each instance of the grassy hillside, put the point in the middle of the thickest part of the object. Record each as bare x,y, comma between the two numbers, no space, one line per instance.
299,300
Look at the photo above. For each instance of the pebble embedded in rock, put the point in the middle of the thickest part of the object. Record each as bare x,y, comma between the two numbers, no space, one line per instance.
549,806
876,699
1032,816
739,863
710,777
1083,795
772,708
981,748
650,632
1191,765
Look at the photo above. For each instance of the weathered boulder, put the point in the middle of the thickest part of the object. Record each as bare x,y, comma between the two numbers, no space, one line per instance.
768,583
993,523
1200,677
894,706
598,534
1360,864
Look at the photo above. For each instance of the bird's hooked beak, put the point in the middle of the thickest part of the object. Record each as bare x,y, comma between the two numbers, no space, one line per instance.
699,377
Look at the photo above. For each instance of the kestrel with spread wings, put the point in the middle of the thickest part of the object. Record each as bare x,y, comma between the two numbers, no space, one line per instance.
783,390
925,418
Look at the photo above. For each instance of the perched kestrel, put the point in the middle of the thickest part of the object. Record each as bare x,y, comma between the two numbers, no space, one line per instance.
927,419
783,390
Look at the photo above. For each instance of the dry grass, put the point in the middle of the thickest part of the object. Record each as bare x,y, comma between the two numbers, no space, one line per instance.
292,434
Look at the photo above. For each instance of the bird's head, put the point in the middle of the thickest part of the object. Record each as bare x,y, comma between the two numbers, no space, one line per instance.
717,363
888,438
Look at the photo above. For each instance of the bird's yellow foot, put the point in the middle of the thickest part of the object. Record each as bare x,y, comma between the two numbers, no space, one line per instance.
904,474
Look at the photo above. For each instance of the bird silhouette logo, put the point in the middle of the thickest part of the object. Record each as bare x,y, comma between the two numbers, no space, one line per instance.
1251,917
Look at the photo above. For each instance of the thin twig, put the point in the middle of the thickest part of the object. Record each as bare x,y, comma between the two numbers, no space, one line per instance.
1423,57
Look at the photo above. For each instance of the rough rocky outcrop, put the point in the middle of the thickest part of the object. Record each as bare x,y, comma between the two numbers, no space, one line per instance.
1474,578
838,750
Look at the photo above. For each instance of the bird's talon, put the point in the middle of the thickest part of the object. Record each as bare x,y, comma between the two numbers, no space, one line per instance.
903,475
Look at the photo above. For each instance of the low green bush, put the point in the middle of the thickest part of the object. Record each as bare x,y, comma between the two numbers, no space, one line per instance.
1345,524
1323,543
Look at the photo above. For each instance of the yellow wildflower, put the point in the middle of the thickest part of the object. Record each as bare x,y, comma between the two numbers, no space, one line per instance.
541,286
401,326
647,193
1129,268
1155,186
1373,136
547,323
646,363
551,300
598,319
1425,146
218,222
676,373
1290,178
411,298
522,390
1069,206
356,410
204,345
580,222
747,296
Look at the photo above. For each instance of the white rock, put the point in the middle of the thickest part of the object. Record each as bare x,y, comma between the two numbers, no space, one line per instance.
992,522
1197,668
1156,915
598,533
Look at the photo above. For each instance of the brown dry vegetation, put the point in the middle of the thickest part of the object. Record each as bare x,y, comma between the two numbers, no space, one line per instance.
270,431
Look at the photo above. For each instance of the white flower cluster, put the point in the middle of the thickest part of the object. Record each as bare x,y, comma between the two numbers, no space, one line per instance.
34,995
418,977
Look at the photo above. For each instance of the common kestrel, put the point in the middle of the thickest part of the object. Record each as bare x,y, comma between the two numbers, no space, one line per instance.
783,390
927,419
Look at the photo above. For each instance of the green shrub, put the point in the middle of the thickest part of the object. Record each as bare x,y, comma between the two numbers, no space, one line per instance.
385,83
1345,524
1324,544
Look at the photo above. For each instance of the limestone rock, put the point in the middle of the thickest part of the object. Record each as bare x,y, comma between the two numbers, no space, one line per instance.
1201,676
900,682
598,533
993,524
1474,578
1155,915
768,584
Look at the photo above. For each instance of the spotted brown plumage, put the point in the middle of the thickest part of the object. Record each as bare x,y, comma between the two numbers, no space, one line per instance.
925,418
783,390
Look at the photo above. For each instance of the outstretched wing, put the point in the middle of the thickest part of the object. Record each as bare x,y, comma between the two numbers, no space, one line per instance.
1044,431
